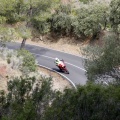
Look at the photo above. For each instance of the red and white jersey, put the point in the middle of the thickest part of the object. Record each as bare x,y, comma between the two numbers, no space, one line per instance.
61,64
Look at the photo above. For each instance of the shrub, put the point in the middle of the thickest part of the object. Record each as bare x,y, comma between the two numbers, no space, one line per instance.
29,63
41,23
90,19
26,98
61,21
90,102
12,10
115,16
103,59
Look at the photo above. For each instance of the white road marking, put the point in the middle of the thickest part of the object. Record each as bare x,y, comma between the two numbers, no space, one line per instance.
59,74
53,58
65,62
76,66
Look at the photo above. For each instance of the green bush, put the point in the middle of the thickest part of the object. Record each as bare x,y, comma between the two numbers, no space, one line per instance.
90,20
102,59
2,19
12,10
90,102
26,98
29,62
61,21
115,16
41,14
41,23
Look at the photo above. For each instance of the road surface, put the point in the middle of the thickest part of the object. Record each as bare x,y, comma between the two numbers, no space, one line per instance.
46,57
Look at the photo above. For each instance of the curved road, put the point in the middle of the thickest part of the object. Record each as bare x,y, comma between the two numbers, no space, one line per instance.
46,58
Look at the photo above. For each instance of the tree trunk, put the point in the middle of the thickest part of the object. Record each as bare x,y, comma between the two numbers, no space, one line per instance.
23,43
105,24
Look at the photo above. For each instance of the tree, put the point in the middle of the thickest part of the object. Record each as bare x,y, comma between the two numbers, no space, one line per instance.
103,61
38,14
90,19
23,32
61,21
12,10
115,16
90,102
26,99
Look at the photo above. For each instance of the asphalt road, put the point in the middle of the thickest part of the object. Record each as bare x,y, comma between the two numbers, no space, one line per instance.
46,58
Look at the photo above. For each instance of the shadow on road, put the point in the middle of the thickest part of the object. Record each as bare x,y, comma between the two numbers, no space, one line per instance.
57,70
36,49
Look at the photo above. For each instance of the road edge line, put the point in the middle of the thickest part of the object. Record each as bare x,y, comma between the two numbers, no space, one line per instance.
59,74
65,62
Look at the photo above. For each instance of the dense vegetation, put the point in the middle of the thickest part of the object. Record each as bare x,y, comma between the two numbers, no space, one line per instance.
29,63
26,99
89,102
103,61
33,99
50,16
29,99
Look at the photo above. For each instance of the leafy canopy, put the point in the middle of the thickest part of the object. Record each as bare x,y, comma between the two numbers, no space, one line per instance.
90,19
90,102
102,60
115,15
25,97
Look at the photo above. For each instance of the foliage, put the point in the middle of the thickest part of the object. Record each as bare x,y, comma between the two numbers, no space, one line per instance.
102,59
29,63
26,99
41,23
23,31
2,19
90,102
41,13
90,20
49,16
85,1
10,9
61,21
115,15
7,34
